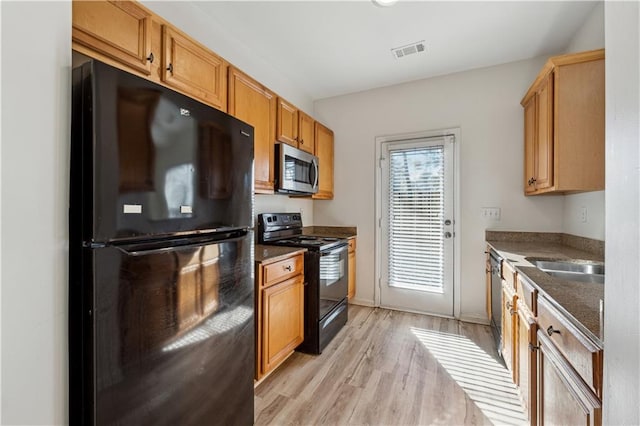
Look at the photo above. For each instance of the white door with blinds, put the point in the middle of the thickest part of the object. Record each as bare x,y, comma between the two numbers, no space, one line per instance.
417,227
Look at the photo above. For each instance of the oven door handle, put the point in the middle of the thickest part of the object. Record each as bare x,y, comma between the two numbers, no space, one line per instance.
335,251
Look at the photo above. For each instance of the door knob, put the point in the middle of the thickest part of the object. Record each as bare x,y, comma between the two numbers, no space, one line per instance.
448,234
447,222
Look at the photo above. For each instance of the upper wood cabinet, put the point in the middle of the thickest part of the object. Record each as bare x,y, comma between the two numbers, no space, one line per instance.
306,136
324,152
193,69
564,125
120,30
294,127
287,123
254,104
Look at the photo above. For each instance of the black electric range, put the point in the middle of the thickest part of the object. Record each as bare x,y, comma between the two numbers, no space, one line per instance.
326,276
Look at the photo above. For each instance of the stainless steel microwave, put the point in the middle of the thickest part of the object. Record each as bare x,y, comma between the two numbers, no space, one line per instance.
297,170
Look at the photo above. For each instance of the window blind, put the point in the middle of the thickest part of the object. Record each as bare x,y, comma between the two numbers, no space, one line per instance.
416,216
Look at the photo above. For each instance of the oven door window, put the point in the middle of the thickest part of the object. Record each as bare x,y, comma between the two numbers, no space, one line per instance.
333,278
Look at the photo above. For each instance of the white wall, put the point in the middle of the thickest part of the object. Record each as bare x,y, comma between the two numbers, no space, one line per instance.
36,60
622,291
590,36
485,104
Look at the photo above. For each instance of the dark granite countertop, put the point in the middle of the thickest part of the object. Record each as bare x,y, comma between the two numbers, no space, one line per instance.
578,300
331,231
269,254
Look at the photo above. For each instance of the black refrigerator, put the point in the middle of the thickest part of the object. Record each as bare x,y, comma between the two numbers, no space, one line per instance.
161,287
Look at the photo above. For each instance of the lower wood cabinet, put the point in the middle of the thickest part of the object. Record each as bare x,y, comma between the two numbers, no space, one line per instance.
526,360
563,398
508,328
282,321
352,268
279,311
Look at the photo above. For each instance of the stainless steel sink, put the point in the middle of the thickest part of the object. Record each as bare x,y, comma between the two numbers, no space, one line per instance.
573,270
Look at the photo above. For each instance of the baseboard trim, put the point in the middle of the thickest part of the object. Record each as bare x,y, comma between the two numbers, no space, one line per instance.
362,302
475,319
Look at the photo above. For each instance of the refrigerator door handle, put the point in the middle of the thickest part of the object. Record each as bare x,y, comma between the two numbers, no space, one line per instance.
141,250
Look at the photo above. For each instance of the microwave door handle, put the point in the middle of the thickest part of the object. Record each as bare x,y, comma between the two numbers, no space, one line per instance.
313,173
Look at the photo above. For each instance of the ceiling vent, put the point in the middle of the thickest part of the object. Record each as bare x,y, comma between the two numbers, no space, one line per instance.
409,49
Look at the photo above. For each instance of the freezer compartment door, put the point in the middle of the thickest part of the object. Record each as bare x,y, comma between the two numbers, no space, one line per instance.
174,334
150,162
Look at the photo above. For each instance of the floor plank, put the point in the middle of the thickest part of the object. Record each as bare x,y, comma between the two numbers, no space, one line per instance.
393,368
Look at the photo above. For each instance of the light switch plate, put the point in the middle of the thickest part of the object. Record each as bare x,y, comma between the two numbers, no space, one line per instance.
492,213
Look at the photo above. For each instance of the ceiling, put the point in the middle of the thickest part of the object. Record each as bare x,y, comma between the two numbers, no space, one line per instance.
337,47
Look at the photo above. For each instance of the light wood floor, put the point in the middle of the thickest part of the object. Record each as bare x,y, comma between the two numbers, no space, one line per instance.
393,368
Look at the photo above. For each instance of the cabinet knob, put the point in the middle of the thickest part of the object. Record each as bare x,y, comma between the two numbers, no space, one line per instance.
288,268
533,347
302,141
551,330
170,68
150,58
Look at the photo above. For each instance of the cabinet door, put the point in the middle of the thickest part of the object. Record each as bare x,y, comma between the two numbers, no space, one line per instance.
287,124
508,329
563,397
120,30
530,127
487,272
306,139
527,363
252,103
352,275
324,152
544,135
194,70
282,322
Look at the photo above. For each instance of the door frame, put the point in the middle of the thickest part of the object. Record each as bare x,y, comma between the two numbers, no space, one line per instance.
379,140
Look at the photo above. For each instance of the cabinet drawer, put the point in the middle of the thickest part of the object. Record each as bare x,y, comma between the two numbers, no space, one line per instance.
283,269
583,355
527,294
509,275
352,244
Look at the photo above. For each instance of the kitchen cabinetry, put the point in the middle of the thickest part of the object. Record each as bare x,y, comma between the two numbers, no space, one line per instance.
563,399
193,69
324,152
526,360
127,35
253,103
352,268
279,311
120,30
508,349
487,273
564,125
294,127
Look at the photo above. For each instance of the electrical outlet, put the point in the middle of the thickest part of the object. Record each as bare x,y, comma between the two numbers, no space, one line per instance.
583,214
492,213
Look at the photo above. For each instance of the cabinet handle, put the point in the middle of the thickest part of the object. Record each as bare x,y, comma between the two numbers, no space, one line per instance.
302,141
533,347
510,308
550,331
150,58
170,68
288,268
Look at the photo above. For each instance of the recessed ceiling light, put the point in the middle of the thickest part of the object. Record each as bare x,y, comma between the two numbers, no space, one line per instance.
384,3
